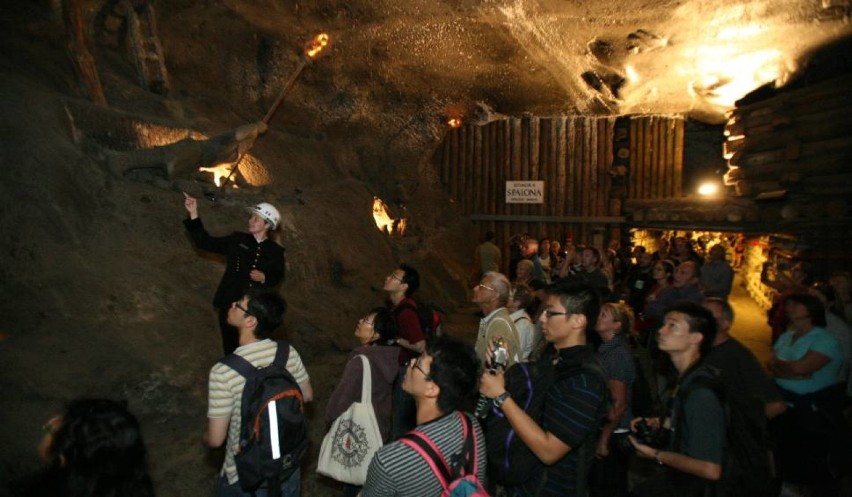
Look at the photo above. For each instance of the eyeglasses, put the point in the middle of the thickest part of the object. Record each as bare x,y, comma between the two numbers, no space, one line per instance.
416,364
364,321
396,277
483,285
549,314
240,307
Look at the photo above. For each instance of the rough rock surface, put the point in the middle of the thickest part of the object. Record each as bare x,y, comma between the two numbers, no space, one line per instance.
102,294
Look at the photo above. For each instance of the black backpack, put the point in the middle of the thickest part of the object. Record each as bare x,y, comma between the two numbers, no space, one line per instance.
429,316
510,461
747,470
271,405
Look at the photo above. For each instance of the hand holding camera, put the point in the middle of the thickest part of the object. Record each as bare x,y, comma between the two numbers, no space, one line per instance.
498,359
646,433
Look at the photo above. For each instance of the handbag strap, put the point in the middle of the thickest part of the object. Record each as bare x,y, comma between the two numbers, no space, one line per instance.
366,381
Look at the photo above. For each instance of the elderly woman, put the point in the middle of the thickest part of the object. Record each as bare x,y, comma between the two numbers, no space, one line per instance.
807,363
373,332
608,477
525,271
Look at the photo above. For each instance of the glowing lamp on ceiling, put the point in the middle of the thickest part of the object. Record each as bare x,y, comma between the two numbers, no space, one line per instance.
454,122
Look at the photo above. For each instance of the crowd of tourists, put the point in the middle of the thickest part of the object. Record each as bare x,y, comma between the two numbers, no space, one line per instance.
588,366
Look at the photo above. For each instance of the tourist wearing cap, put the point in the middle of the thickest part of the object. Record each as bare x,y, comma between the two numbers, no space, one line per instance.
252,259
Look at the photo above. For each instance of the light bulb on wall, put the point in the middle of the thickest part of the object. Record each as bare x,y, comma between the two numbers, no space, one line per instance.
708,188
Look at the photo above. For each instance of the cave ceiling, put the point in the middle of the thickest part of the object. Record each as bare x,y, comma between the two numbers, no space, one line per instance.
546,56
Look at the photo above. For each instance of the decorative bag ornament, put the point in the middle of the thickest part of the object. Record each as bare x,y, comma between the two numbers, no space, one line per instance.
353,439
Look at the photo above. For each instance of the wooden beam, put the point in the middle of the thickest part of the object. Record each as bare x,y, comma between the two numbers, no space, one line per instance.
549,219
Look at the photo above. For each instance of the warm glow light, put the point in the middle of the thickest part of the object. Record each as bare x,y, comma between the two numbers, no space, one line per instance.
709,188
739,32
220,172
316,45
725,75
384,221
454,122
632,75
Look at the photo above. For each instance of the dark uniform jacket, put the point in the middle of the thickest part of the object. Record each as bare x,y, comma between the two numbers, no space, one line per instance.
242,254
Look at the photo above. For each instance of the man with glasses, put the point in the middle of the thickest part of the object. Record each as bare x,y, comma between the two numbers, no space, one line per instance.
564,438
440,380
492,295
400,286
255,316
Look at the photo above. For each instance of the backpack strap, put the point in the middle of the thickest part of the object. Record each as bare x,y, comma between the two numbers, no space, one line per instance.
239,364
282,354
427,449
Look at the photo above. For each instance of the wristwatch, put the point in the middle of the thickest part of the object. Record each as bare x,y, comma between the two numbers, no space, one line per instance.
498,400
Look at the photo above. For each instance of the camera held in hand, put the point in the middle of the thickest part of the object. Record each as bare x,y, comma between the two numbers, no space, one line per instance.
646,434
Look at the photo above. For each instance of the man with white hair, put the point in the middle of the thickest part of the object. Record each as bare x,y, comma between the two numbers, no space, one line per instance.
252,260
491,295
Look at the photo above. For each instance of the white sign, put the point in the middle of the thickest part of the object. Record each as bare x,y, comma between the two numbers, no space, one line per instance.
525,192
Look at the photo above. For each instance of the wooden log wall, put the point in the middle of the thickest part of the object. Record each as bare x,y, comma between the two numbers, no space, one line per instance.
656,158
583,195
797,140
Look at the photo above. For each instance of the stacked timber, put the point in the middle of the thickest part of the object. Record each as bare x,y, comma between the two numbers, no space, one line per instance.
797,141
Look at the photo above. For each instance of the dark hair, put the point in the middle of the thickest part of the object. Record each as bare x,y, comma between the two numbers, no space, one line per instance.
696,269
384,324
489,235
411,278
578,298
522,294
727,310
455,369
98,451
700,320
816,310
268,308
595,252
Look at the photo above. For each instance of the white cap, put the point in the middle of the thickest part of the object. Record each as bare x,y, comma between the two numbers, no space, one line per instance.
268,212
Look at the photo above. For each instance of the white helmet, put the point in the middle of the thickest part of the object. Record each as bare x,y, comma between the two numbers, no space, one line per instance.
268,212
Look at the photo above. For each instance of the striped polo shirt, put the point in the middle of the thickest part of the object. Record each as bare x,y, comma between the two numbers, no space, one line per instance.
225,387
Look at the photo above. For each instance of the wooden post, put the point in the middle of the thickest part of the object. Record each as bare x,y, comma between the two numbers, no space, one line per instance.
479,185
678,171
81,58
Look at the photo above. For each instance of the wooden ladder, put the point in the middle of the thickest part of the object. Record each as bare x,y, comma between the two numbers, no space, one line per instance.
145,47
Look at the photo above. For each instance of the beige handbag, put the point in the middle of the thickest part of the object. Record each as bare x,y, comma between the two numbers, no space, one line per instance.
353,439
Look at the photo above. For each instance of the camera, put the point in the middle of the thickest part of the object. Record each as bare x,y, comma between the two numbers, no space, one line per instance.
645,434
500,356
499,360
